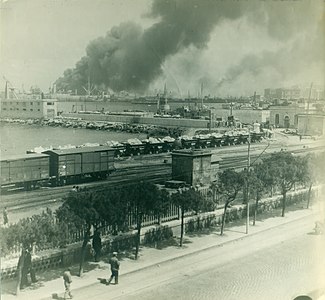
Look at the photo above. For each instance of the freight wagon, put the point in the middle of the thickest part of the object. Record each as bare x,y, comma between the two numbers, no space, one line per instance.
78,164
24,171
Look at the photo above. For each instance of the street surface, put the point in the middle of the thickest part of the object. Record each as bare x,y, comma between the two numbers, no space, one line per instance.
279,263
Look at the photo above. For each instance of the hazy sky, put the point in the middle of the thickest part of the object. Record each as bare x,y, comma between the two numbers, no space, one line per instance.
233,48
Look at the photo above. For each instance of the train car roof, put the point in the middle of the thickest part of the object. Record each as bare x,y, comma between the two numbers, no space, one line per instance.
79,150
22,156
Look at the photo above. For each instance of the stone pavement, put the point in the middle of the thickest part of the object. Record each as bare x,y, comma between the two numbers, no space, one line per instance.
151,257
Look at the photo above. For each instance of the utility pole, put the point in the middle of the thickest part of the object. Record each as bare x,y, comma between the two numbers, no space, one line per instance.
249,164
248,174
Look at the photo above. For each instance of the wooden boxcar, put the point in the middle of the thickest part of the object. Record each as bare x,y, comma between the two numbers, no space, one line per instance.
26,170
78,164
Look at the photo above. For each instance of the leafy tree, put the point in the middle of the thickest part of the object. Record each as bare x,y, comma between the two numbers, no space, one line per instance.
81,209
230,183
187,200
114,208
145,199
161,203
313,174
38,230
286,170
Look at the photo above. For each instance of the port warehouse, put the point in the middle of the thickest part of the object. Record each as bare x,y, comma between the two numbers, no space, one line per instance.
28,108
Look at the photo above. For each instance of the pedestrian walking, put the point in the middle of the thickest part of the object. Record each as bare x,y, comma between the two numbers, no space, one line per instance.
5,216
97,245
67,278
115,266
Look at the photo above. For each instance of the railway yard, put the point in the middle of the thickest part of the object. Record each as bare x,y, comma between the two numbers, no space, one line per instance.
154,168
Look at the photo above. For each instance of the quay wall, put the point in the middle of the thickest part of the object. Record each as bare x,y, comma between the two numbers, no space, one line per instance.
166,122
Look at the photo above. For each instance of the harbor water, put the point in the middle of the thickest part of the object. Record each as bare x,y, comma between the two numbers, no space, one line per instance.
17,139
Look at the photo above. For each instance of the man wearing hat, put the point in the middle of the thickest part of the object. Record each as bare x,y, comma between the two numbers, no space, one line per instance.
115,266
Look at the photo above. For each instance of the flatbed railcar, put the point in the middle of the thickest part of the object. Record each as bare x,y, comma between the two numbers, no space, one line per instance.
25,171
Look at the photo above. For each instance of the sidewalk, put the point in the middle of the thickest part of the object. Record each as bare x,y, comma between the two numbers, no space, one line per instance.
150,257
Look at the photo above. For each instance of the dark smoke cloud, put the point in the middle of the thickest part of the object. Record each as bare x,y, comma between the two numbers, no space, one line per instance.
299,54
131,58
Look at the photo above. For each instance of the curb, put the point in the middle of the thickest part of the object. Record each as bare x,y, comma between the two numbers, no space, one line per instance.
194,252
215,246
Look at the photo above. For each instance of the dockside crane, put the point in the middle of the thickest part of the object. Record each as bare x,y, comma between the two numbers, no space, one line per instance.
9,86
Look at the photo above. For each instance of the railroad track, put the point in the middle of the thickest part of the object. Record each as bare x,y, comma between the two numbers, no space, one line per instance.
139,168
48,196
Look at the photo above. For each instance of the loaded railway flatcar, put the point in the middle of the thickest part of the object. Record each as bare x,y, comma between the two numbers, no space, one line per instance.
27,171
77,164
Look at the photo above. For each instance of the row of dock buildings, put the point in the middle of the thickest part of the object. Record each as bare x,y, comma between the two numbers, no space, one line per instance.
307,118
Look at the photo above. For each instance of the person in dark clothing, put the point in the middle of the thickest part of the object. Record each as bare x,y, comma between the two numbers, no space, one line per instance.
27,269
5,216
97,245
115,266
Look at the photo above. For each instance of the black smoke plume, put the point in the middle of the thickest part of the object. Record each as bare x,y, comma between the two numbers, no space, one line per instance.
130,58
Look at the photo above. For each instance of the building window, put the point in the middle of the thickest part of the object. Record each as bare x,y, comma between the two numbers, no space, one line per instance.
38,109
50,103
24,109
4,108
38,103
31,103
31,109
277,119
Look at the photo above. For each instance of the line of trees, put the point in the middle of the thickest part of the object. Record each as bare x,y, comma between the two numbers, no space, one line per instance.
113,207
280,171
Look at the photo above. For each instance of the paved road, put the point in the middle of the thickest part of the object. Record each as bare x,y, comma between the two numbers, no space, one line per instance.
277,264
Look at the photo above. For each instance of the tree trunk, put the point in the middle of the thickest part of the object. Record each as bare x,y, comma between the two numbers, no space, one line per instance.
20,270
182,228
138,236
309,194
223,219
284,196
255,209
83,251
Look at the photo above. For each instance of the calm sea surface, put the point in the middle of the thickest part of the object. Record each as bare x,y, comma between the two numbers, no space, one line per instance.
17,139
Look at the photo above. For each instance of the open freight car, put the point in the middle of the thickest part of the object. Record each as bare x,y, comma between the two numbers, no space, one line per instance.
80,164
26,171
